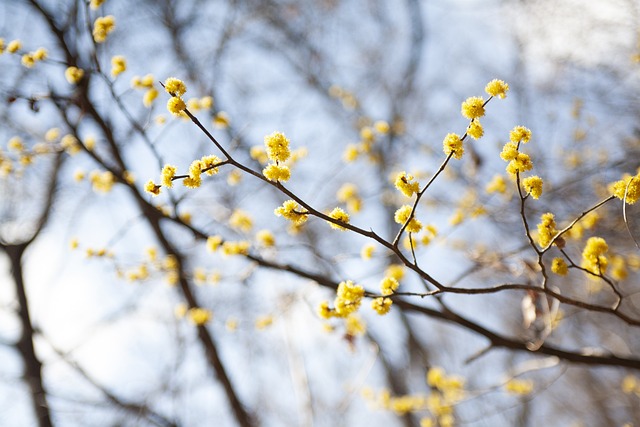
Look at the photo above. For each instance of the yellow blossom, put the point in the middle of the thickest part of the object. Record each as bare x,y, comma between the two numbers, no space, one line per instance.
168,172
78,175
28,60
355,326
473,107
396,271
546,229
292,212
381,305
593,255
209,164
194,179
388,285
74,243
206,102
367,251
475,130
496,185
629,185
452,144
509,151
520,134
118,65
95,4
74,74
324,311
277,146
522,163
263,322
221,120
276,172
213,243
519,387
40,54
533,186
382,127
402,216
340,215
240,220
14,46
52,135
150,96
175,87
266,238
176,106
559,267
348,298
406,184
258,153
102,27
351,153
15,144
152,188
236,248
199,316
497,88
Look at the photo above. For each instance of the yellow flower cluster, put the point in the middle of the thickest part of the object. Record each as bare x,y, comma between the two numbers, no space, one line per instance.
95,4
497,88
629,185
559,267
518,162
497,185
213,243
348,300
533,186
145,83
520,134
348,193
74,75
475,129
593,255
381,305
236,248
402,216
152,188
546,229
452,144
12,47
277,149
292,212
199,316
473,107
102,27
118,65
266,238
519,387
340,215
240,220
388,285
176,88
406,184
631,384
102,182
30,59
367,251
167,174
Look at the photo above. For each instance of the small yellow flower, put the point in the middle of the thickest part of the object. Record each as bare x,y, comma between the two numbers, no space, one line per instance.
522,163
149,96
533,186
388,285
176,106
473,107
52,135
152,188
263,322
292,212
236,248
175,87
15,144
546,229
206,102
396,271
497,185
266,238
340,215
28,60
74,74
593,255
102,27
14,46
629,185
519,387
277,146
452,144
355,326
520,134
406,184
324,311
381,305
351,153
475,130
382,127
199,316
402,215
367,251
168,172
497,88
240,220
259,154
40,54
276,172
221,120
210,164
118,65
509,151
213,243
95,4
559,267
